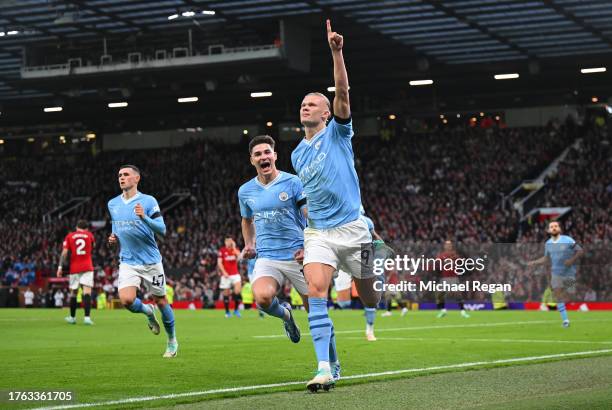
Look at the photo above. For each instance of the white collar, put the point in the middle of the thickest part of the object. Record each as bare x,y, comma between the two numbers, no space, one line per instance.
317,135
269,184
127,201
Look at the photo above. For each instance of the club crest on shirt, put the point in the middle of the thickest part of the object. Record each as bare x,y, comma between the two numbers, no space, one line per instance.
318,145
283,196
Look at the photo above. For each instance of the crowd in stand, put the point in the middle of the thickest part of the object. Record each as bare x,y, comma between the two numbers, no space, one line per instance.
434,186
445,183
584,183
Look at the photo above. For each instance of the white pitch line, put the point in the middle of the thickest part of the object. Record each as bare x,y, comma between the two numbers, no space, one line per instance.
399,329
357,376
500,361
29,319
448,339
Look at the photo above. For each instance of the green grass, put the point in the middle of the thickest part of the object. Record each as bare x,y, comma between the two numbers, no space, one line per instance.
576,383
119,358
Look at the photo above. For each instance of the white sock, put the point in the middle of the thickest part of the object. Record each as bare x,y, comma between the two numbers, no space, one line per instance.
324,366
172,340
443,310
287,316
369,328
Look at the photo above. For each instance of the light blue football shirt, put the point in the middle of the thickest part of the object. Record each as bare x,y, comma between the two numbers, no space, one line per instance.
326,166
136,239
276,211
560,251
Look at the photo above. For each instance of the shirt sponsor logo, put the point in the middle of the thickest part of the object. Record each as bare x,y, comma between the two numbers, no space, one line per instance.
272,216
313,168
126,225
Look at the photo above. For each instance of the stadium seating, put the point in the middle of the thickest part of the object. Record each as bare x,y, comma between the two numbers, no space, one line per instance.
416,186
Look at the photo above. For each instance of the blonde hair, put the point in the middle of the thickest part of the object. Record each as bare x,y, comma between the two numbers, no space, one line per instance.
322,96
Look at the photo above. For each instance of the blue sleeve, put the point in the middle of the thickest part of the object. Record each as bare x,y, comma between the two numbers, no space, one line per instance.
546,250
152,208
111,217
293,162
245,211
298,193
575,246
341,129
153,217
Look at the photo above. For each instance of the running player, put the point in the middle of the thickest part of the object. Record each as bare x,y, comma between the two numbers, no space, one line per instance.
273,210
80,245
562,251
336,236
231,282
136,218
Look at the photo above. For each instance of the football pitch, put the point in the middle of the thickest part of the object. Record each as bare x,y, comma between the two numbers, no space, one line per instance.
507,359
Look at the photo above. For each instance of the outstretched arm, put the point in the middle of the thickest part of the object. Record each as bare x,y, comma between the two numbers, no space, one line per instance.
342,107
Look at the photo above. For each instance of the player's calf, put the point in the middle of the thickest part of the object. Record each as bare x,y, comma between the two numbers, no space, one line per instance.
367,293
73,304
167,318
273,307
237,301
561,296
226,304
87,306
134,304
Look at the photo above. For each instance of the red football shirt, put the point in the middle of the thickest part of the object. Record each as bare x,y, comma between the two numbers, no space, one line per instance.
80,245
230,260
444,256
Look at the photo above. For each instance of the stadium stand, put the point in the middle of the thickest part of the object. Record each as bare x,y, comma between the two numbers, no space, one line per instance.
421,186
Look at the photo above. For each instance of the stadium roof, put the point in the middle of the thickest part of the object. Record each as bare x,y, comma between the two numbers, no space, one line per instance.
459,44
